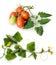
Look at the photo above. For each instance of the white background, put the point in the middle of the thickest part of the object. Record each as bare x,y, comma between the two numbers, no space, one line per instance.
48,38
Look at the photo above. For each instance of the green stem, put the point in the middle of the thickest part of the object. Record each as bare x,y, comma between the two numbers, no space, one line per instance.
3,53
2,56
30,7
30,12
30,55
15,51
37,53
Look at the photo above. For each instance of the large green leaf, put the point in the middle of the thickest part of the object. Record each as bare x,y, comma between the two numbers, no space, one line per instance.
10,55
43,14
31,46
18,36
28,24
22,53
43,21
39,30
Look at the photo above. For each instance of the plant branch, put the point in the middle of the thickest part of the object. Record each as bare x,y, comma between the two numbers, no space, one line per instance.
37,53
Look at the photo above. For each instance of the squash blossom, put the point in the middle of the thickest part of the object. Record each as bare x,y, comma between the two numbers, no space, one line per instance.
51,52
49,47
9,44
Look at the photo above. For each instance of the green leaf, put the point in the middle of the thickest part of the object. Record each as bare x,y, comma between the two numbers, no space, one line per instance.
18,36
43,21
6,40
31,46
42,50
28,24
17,46
10,56
22,53
9,50
11,38
34,55
39,30
43,14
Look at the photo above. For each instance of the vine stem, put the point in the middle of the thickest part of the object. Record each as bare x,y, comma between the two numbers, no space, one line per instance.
37,53
15,51
3,53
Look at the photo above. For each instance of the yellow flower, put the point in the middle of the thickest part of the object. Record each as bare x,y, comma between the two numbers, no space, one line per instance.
9,44
51,52
49,47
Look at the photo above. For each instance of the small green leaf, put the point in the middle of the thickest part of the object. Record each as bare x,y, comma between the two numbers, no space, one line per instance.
43,21
43,14
28,24
17,46
18,36
39,30
10,56
22,53
3,46
31,46
42,50
6,40
34,55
